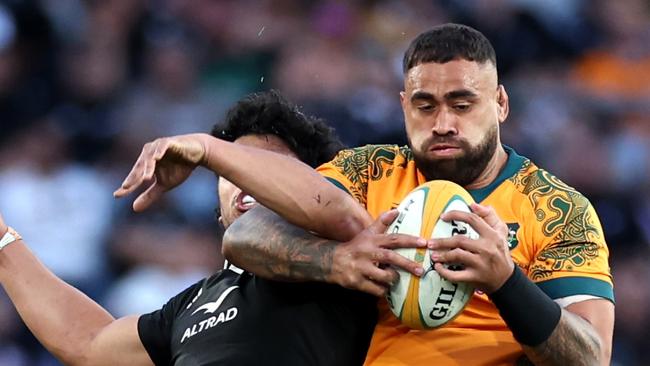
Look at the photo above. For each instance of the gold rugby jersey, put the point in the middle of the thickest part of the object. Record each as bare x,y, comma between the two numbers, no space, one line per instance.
556,239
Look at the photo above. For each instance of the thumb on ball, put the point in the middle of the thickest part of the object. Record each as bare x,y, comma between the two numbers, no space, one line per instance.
383,221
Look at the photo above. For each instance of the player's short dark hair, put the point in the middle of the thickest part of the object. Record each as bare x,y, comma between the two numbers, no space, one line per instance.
449,42
269,113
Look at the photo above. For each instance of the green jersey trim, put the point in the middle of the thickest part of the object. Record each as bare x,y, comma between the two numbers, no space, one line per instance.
338,184
513,165
568,286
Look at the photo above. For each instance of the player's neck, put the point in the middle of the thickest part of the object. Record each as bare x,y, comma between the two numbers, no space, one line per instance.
492,170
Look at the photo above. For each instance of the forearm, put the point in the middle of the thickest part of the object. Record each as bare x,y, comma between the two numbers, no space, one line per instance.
289,187
63,319
573,342
549,334
263,243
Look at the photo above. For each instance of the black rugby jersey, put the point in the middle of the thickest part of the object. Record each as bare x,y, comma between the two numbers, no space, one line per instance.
241,319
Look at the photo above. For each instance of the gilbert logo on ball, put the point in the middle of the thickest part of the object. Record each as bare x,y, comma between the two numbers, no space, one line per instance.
429,301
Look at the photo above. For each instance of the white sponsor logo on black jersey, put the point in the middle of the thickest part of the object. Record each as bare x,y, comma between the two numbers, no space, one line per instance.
211,308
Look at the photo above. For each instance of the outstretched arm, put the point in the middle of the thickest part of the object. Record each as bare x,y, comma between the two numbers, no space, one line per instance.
263,243
69,324
285,185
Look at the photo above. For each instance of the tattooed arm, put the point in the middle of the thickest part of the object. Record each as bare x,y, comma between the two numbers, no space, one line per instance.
263,243
582,337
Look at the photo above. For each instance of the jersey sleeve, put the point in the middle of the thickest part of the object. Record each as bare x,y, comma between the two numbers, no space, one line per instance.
571,257
349,171
155,328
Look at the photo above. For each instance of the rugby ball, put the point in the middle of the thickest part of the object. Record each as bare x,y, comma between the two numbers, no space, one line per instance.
429,301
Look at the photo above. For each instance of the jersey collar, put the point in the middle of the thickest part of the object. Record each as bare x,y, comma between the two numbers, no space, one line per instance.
514,163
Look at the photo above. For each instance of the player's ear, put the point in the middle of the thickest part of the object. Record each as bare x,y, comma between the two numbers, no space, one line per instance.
217,215
402,98
503,104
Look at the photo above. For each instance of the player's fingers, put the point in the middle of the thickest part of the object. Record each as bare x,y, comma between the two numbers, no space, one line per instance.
490,216
388,217
458,241
485,212
363,281
455,256
131,182
148,197
135,177
162,145
472,219
384,220
465,275
154,152
384,276
387,256
394,241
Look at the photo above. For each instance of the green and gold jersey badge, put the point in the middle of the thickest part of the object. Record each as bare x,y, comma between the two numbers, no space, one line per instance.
512,235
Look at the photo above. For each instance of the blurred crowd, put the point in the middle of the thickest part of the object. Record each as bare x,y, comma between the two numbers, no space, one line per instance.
85,83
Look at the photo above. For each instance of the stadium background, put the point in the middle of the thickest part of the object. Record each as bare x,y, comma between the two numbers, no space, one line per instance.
84,84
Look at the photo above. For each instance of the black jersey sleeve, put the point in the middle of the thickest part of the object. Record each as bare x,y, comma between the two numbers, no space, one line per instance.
155,328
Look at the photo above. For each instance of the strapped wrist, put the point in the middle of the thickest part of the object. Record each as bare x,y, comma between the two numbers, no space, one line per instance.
9,237
529,313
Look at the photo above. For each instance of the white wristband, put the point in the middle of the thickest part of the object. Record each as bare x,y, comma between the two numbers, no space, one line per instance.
9,237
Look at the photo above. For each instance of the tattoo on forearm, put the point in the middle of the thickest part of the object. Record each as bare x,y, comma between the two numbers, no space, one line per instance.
273,248
294,254
573,342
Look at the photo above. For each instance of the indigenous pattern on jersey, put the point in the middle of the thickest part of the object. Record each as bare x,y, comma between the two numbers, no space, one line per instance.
556,238
241,319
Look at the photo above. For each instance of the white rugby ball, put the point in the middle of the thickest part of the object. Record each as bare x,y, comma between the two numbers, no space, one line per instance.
429,301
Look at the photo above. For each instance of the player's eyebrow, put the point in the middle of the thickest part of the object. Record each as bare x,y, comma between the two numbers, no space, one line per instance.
454,94
462,93
422,95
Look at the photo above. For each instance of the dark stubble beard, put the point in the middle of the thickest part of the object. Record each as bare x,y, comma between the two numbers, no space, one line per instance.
462,170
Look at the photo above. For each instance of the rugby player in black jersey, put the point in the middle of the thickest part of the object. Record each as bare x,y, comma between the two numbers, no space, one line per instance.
230,318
